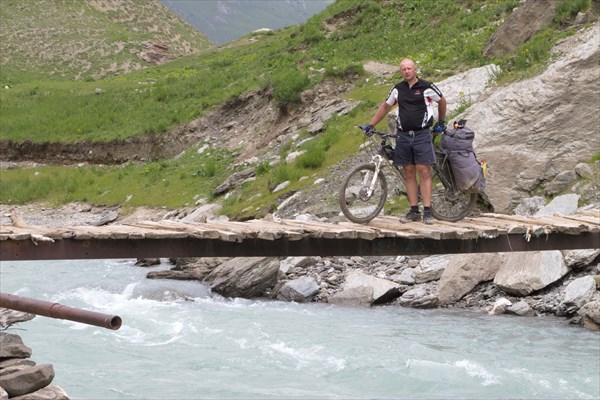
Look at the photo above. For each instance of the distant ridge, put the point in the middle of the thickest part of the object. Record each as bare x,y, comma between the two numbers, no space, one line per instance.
226,20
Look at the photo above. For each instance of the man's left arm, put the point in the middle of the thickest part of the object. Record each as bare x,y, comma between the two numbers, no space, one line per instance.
442,109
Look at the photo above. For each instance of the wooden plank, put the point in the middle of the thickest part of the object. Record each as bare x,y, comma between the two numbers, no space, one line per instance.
483,230
438,230
593,223
323,230
280,230
195,230
549,223
511,227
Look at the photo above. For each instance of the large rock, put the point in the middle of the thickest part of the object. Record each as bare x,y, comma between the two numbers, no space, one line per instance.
299,290
464,272
579,292
522,24
580,258
244,276
382,290
524,144
419,297
431,268
12,346
27,380
359,296
524,273
590,314
50,392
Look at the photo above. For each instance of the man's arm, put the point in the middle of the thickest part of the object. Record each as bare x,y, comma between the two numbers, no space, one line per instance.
383,110
442,109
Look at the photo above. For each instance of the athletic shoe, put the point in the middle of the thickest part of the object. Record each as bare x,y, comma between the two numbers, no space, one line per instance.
427,218
412,216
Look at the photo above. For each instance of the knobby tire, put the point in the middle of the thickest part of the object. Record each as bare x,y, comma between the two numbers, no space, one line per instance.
353,199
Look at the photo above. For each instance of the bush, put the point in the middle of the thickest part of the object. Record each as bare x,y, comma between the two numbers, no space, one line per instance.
288,86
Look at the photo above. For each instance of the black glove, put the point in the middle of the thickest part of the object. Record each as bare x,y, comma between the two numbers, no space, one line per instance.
366,129
439,127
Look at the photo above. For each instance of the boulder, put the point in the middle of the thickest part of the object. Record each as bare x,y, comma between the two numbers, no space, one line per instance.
50,392
590,314
11,346
418,297
383,289
431,268
579,292
520,308
565,205
27,380
359,296
464,272
499,306
524,273
289,263
244,276
580,258
299,290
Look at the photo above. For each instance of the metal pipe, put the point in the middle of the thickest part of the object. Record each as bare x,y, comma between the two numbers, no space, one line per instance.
55,310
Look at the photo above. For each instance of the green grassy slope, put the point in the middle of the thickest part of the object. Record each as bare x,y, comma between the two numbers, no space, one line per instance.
77,39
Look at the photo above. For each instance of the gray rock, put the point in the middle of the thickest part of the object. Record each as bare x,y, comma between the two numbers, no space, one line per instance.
524,273
565,205
50,392
10,317
499,307
11,346
584,170
580,258
27,380
464,272
383,289
418,298
359,296
561,182
579,292
530,206
244,276
431,268
521,308
299,290
590,313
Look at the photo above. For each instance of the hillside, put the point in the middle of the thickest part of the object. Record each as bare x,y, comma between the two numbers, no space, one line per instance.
224,21
89,39
180,131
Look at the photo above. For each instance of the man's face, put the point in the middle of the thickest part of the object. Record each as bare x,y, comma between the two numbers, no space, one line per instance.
408,70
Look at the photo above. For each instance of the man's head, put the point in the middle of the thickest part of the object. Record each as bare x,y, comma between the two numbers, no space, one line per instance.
408,69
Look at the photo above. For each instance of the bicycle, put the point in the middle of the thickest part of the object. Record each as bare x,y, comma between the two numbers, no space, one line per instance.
364,190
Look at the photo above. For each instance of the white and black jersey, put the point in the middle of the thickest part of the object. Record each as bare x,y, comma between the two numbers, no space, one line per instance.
415,109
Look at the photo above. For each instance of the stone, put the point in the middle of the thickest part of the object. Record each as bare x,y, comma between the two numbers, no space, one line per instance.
10,317
359,296
147,262
12,346
464,272
580,258
565,205
499,306
245,277
431,268
383,289
299,290
418,298
561,182
524,273
50,392
27,380
590,313
530,206
584,170
521,308
579,292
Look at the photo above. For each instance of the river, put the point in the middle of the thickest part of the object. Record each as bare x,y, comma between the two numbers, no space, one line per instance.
179,341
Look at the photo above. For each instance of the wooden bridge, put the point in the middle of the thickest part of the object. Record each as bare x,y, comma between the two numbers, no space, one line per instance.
383,236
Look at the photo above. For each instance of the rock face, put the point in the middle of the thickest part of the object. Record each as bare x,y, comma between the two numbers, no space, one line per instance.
534,130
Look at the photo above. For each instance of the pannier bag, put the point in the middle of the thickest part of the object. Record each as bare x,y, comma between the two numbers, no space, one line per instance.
468,172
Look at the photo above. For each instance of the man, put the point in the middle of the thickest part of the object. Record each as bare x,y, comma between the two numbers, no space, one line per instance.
414,147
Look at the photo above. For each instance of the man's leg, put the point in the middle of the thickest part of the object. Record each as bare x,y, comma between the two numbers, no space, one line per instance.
424,183
412,188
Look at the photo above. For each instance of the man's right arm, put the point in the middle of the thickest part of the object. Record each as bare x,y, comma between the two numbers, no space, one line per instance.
383,110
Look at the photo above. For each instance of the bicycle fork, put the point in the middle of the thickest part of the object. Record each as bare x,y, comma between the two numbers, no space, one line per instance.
376,161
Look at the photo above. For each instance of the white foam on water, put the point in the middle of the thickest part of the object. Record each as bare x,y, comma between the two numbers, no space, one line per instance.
475,370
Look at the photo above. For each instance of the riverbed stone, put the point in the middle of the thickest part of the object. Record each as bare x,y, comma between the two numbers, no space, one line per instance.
590,313
300,290
12,346
464,272
383,289
523,273
418,297
50,392
358,296
244,276
580,258
565,205
431,268
579,292
27,380
521,308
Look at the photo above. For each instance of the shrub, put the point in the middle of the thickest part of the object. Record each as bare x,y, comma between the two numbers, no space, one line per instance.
288,86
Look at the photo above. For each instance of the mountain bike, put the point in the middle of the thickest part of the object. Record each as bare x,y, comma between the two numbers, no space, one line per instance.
364,191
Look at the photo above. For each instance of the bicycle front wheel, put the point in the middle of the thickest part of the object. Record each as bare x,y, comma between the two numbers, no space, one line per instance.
447,202
362,196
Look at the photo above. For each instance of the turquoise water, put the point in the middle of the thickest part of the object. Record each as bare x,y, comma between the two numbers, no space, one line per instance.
208,347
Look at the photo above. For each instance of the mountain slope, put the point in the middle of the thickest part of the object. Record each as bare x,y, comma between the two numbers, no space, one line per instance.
226,20
89,39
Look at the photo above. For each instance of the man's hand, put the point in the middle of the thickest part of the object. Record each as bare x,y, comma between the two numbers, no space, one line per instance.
366,129
439,127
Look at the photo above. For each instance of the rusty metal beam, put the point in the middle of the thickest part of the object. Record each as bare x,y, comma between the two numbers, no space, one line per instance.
69,249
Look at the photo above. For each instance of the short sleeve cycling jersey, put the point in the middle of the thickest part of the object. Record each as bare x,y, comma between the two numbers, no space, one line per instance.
415,109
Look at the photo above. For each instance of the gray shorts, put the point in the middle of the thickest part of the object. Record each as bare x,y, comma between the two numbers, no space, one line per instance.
414,147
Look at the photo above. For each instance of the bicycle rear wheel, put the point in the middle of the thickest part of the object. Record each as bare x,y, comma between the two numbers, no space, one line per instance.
447,202
357,204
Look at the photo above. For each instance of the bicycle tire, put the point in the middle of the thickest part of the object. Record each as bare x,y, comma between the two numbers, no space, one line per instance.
448,203
354,200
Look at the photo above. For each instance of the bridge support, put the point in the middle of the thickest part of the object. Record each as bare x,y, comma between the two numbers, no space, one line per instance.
69,249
